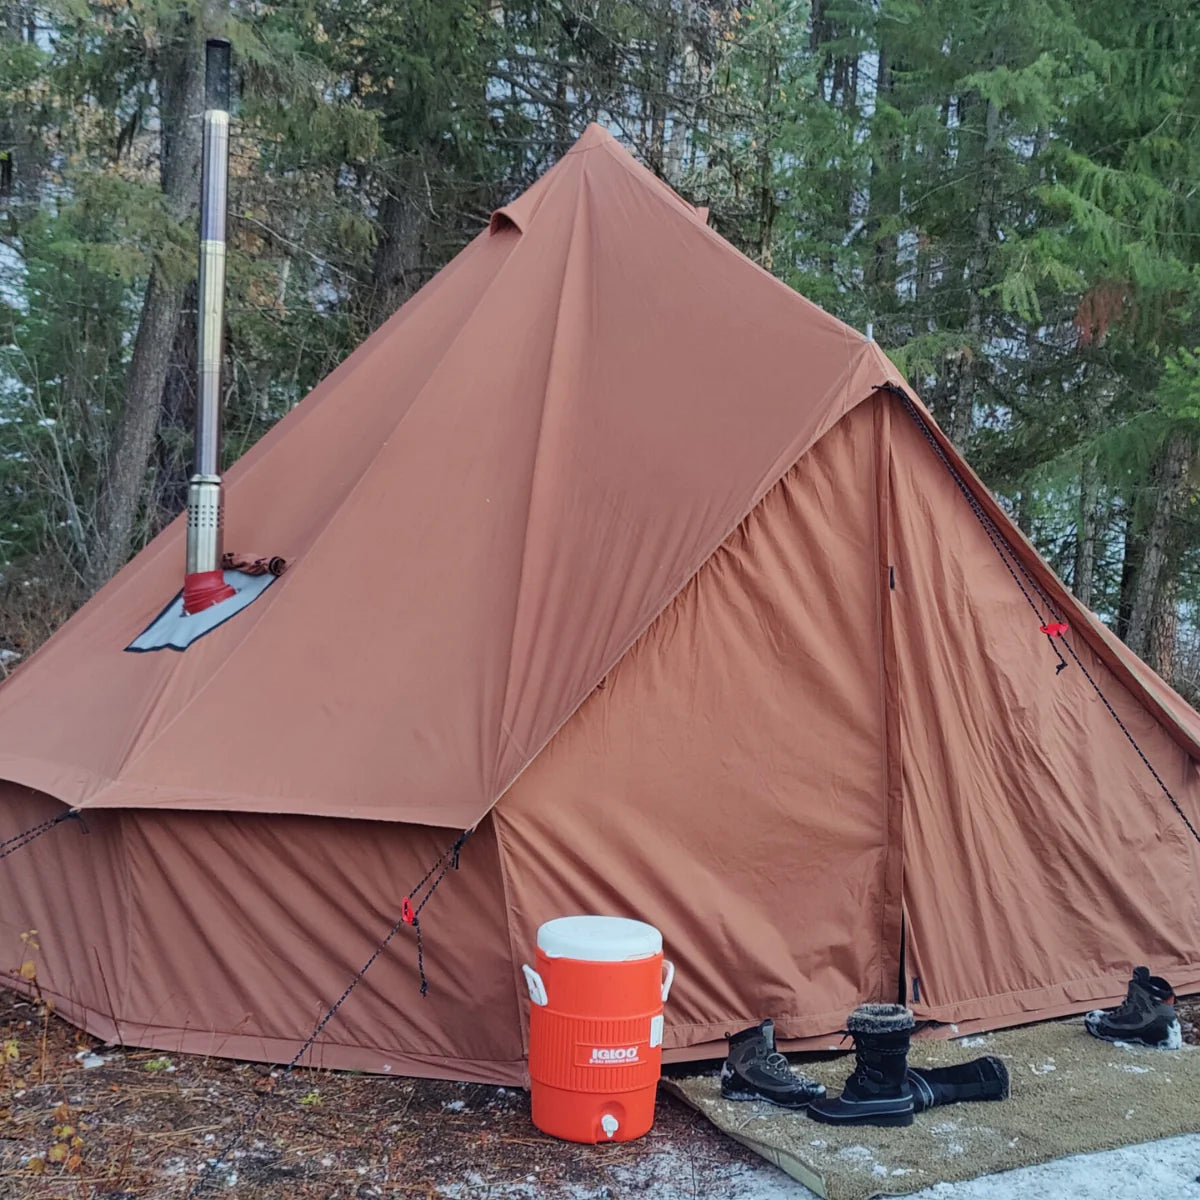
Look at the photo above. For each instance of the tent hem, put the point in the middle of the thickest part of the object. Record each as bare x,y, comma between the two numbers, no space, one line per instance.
1044,1003
325,1055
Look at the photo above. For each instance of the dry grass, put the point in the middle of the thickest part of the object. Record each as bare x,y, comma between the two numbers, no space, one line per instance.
145,1123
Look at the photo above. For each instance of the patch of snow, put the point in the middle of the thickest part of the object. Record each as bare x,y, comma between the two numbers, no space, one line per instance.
1045,1068
972,1041
1165,1168
454,1106
943,1127
855,1153
1132,1068
87,1060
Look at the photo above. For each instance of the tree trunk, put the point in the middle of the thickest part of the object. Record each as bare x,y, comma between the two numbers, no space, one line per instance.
1085,537
171,455
964,408
182,84
661,90
399,253
1164,628
766,185
1172,465
882,201
1130,554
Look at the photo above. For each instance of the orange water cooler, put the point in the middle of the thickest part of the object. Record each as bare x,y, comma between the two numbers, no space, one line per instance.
596,1027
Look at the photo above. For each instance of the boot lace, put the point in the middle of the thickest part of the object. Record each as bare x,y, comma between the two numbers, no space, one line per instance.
1127,1007
775,1064
862,1072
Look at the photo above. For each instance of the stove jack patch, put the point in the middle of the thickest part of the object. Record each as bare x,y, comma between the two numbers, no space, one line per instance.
173,629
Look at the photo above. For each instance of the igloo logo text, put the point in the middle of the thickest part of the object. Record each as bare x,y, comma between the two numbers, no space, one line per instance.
613,1056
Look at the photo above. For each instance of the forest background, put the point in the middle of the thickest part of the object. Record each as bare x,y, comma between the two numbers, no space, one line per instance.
1006,191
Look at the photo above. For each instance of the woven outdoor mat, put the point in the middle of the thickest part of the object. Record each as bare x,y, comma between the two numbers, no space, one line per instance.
1071,1094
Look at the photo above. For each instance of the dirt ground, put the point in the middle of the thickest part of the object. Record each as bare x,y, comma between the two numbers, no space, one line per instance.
80,1121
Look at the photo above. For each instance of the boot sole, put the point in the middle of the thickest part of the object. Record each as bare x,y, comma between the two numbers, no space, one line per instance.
885,1119
1173,1040
739,1097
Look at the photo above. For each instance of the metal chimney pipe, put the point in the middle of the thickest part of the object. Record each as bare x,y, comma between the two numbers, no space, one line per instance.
204,584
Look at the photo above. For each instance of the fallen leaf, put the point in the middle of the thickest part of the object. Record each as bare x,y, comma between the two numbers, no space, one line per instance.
57,1153
37,1166
74,1162
28,970
12,1050
62,1113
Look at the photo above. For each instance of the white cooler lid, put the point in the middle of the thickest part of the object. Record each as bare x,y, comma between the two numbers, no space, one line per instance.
599,939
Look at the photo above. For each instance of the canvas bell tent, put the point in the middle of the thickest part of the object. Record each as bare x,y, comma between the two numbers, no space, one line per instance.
613,550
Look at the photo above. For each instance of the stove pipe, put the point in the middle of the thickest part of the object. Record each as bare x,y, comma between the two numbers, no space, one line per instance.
204,584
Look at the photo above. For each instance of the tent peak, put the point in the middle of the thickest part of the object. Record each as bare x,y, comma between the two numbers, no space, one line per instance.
594,135
520,212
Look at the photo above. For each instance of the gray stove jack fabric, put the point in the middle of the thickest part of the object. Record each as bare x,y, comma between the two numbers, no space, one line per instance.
173,629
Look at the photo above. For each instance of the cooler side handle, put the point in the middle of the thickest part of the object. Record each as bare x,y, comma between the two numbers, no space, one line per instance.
537,989
668,978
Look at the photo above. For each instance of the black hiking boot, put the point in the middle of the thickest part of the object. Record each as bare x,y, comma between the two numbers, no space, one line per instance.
754,1070
980,1079
1147,1017
878,1092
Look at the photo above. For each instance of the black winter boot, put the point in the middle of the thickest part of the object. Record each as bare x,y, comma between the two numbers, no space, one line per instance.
754,1070
1147,1016
878,1092
980,1079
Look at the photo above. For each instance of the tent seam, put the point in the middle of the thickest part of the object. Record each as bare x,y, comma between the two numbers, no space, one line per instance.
577,220
643,626
333,516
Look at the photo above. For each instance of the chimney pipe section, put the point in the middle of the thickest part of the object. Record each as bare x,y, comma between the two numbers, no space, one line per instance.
204,584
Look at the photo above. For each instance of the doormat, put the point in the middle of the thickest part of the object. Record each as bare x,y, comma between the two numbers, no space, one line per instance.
1071,1094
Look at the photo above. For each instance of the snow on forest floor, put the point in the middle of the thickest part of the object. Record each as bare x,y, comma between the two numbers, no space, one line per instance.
80,1121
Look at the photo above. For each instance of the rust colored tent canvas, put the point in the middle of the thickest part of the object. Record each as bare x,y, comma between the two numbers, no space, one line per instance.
613,550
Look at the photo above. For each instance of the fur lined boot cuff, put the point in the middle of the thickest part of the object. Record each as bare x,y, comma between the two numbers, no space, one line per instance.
880,1018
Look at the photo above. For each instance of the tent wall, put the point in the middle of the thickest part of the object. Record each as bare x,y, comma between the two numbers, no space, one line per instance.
729,781
232,934
1041,859
848,713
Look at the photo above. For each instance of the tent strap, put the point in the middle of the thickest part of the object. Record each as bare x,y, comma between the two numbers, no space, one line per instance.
1055,624
21,840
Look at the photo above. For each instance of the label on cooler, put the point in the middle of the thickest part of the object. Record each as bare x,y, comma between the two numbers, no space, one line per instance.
589,1055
